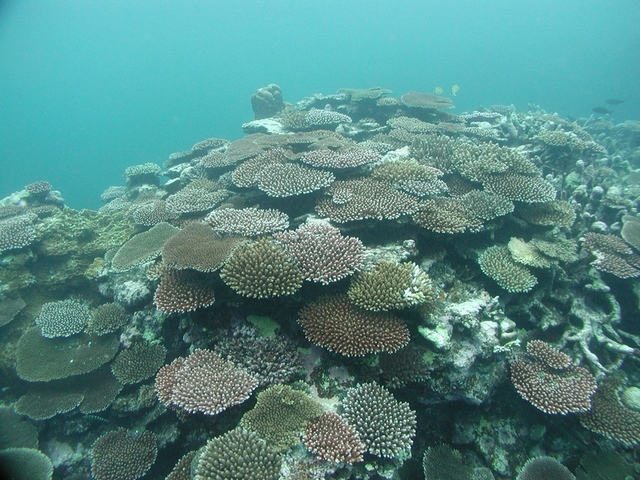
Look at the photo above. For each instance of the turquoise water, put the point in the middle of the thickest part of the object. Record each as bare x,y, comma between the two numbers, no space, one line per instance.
88,88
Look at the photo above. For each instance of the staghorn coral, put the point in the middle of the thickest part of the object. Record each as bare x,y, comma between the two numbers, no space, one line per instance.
237,455
261,270
346,158
247,222
403,367
496,263
138,362
323,254
425,100
38,189
324,118
557,213
424,188
486,205
330,438
410,169
543,468
203,382
151,213
334,323
106,318
25,464
183,291
527,253
559,248
123,454
16,232
365,198
143,247
40,359
270,359
182,468
447,215
390,286
198,247
411,125
209,144
281,415
245,174
289,179
141,170
550,382
363,94
609,416
62,318
444,463
612,254
189,200
385,426
521,188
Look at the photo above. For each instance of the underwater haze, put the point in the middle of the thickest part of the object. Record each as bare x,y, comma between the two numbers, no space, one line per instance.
89,87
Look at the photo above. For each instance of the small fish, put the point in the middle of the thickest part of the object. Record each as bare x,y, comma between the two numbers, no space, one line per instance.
96,418
438,91
613,101
455,89
602,110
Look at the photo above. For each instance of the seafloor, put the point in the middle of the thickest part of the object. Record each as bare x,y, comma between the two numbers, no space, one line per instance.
362,287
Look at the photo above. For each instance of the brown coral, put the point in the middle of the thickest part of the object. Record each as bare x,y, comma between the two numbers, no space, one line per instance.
447,215
198,247
365,198
550,382
289,179
183,291
330,438
335,323
323,254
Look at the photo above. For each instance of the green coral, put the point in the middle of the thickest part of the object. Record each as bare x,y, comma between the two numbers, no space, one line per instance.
280,415
237,455
391,285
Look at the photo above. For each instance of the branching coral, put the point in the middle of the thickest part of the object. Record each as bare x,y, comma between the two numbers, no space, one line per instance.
335,323
390,286
248,222
323,254
261,270
203,382
198,247
384,425
123,455
365,198
281,415
550,382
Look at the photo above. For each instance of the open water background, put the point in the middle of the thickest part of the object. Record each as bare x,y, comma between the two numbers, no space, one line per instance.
90,87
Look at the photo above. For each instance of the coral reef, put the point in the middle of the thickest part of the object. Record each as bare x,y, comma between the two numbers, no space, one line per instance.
482,265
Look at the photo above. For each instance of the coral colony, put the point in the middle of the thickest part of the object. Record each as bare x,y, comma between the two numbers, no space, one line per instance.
363,287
